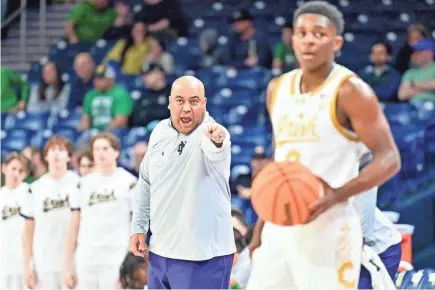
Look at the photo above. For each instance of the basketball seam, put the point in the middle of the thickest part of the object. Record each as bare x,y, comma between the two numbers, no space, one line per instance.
293,198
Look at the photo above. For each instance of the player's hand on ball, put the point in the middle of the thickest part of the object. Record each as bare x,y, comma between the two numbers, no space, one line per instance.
138,246
330,198
216,133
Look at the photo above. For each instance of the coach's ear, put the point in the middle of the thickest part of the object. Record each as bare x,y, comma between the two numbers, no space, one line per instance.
338,43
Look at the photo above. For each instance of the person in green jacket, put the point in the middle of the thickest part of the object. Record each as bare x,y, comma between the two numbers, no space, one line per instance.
107,106
10,81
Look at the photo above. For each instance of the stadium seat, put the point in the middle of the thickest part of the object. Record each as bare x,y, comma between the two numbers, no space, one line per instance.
254,134
33,122
40,138
254,79
14,140
67,119
236,96
70,133
101,49
135,135
3,120
242,152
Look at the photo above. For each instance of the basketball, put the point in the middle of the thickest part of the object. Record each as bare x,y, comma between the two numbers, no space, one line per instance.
283,191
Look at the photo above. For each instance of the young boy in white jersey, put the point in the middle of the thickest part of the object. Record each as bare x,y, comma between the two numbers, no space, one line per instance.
12,196
320,114
47,213
99,227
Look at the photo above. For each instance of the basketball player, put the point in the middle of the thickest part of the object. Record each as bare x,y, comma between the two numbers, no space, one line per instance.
100,223
47,213
320,114
12,196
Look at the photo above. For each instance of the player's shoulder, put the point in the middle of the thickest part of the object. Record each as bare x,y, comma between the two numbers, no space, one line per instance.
159,131
354,87
274,81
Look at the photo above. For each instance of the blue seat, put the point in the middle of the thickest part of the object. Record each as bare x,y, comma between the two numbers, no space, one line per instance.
242,151
67,119
101,49
33,122
15,140
239,114
250,215
424,111
411,144
135,135
240,203
236,96
239,169
3,120
254,134
400,114
40,138
70,133
250,79
64,53
403,280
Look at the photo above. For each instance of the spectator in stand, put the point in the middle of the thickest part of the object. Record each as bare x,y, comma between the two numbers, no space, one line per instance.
283,57
239,221
243,182
85,163
89,20
107,106
133,273
158,56
37,166
52,93
208,42
10,80
163,17
84,67
153,103
418,84
139,150
403,59
242,267
384,79
247,47
121,28
130,53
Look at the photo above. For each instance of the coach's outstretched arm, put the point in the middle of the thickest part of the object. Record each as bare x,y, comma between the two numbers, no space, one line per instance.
141,211
215,142
358,108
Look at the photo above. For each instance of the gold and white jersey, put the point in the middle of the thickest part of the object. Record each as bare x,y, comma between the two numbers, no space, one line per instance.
306,128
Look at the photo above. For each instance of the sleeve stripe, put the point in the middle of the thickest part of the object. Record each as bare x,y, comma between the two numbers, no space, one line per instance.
75,209
26,217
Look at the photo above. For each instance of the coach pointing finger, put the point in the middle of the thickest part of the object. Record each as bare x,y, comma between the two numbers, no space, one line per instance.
183,190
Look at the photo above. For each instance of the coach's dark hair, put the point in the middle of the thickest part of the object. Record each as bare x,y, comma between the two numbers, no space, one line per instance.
322,8
387,46
130,265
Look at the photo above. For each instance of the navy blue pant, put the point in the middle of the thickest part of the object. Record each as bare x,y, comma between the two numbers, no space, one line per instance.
166,273
391,259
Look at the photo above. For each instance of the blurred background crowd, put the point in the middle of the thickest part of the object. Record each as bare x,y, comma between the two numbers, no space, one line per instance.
107,65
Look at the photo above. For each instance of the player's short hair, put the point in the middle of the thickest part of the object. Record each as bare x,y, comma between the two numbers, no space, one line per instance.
129,266
113,140
239,240
19,157
325,9
60,141
387,46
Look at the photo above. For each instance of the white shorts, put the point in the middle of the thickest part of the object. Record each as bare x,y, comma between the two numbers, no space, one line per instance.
13,281
49,280
97,277
324,254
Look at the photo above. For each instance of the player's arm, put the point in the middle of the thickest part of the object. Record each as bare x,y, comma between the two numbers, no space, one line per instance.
360,104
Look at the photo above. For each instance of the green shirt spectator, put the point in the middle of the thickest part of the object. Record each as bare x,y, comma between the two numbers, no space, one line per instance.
418,84
283,56
10,82
89,20
107,106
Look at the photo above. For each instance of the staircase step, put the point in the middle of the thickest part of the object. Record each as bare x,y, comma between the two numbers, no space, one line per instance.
11,50
62,16
53,33
60,8
19,58
29,42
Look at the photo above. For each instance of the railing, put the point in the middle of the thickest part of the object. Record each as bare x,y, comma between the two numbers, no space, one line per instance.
22,13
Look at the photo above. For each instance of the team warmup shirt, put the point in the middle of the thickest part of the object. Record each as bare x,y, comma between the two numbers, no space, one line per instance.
183,192
11,229
48,205
104,202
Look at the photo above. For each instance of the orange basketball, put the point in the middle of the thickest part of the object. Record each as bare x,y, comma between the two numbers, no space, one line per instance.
283,191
